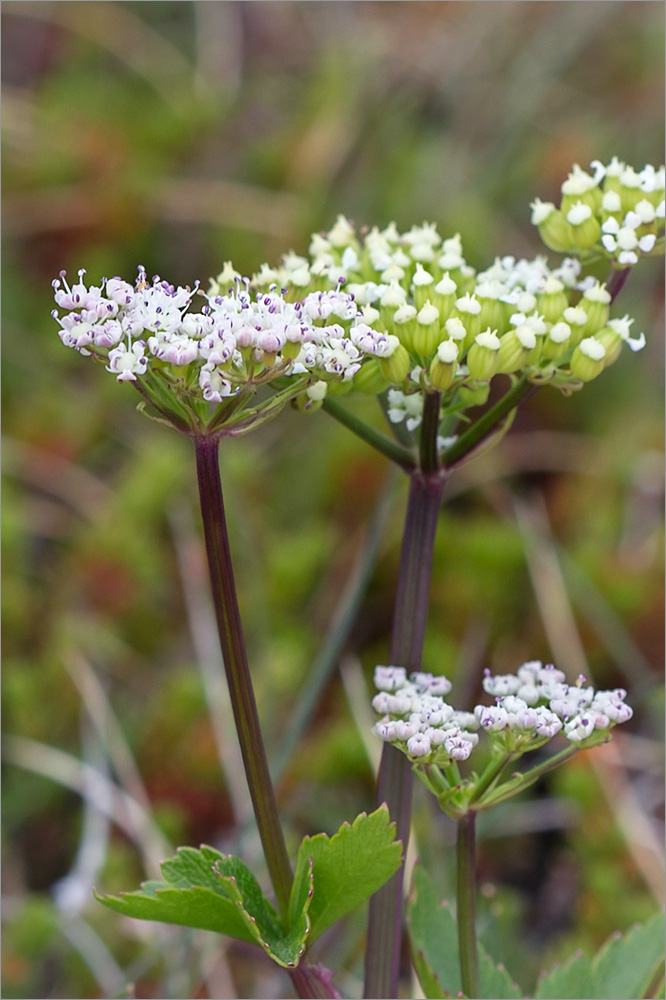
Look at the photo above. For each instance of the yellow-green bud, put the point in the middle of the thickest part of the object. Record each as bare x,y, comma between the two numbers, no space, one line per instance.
396,366
444,295
422,283
557,343
596,303
394,297
580,187
404,325
611,206
456,331
493,313
444,365
576,318
552,300
584,224
611,342
483,357
554,229
515,349
630,190
369,378
468,311
588,359
612,174
428,330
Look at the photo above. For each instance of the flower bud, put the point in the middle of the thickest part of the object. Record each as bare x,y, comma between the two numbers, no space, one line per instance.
585,227
515,349
587,361
553,227
444,365
395,367
467,310
444,295
630,190
557,343
611,342
483,356
576,319
552,300
428,332
422,283
596,303
393,297
404,325
493,311
580,187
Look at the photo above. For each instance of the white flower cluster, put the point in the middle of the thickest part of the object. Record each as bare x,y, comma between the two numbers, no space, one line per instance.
616,207
237,338
531,707
457,328
414,715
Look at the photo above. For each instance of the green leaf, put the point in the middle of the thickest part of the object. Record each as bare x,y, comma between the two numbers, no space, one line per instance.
214,892
346,868
625,967
434,939
628,963
573,979
434,943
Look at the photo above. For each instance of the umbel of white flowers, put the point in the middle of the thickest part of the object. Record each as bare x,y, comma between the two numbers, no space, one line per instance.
377,311
531,707
235,339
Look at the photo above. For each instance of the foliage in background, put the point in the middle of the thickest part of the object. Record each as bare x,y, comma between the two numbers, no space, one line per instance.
182,134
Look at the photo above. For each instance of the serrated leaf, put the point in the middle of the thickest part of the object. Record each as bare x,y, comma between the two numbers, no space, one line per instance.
627,964
573,979
623,969
494,980
434,942
215,892
348,867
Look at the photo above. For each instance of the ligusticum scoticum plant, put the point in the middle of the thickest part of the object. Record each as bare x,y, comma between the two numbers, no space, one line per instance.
404,317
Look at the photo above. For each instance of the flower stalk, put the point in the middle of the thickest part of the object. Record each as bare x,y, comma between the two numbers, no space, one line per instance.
466,904
237,669
395,779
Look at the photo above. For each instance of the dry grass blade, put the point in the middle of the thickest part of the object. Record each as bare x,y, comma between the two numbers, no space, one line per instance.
128,814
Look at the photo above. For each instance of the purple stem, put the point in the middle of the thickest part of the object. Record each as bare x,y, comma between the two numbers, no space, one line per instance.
395,780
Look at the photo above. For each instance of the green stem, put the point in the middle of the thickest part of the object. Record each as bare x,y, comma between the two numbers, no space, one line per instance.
508,790
466,905
395,780
485,424
381,442
491,773
237,670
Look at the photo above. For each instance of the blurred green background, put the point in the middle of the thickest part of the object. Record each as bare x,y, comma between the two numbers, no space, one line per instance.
181,135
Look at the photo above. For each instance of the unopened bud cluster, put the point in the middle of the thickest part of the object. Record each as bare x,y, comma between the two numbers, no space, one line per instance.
530,708
452,329
616,210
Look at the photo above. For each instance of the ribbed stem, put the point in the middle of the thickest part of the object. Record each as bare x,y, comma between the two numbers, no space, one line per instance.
237,670
395,781
466,905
